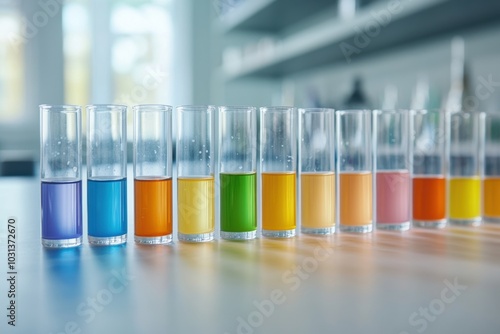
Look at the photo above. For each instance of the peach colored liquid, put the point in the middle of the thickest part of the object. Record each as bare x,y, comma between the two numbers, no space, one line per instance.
429,198
356,199
153,207
393,197
317,200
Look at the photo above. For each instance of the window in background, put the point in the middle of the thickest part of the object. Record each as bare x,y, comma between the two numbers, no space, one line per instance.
11,60
141,50
134,69
76,32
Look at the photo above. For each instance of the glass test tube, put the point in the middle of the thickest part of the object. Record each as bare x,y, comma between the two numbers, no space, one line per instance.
107,174
464,182
392,169
354,147
153,174
491,169
428,168
278,171
61,175
195,174
317,170
238,172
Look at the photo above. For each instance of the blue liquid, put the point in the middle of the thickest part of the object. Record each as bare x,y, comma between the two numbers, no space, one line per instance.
107,208
61,210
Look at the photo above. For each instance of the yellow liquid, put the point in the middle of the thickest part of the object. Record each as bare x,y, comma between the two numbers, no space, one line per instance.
464,198
278,201
317,200
195,205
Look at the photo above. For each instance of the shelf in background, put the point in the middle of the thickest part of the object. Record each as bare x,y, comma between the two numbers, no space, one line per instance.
271,15
321,44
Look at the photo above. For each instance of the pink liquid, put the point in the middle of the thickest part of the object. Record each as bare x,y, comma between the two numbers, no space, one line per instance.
393,197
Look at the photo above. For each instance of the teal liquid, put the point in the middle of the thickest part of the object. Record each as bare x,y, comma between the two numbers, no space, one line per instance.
238,206
107,208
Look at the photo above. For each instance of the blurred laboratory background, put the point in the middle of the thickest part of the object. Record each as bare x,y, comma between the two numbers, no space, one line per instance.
308,53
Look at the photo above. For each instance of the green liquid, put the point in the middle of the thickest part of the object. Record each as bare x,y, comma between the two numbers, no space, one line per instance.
238,206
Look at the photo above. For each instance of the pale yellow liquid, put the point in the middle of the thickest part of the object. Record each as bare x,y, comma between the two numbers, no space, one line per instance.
317,200
195,205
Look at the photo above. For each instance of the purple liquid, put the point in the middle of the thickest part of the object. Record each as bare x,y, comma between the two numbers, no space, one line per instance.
61,210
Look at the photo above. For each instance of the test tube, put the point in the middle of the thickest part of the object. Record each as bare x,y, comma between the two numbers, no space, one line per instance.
317,170
153,174
107,174
392,169
238,172
278,171
464,180
428,168
61,175
491,169
195,174
354,147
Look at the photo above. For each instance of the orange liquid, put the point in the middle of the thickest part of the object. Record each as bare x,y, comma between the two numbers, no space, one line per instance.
153,207
278,201
491,197
429,198
356,199
318,200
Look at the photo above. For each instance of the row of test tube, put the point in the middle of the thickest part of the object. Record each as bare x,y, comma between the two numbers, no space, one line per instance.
391,168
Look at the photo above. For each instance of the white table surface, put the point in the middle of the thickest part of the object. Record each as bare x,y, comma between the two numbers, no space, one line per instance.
382,282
